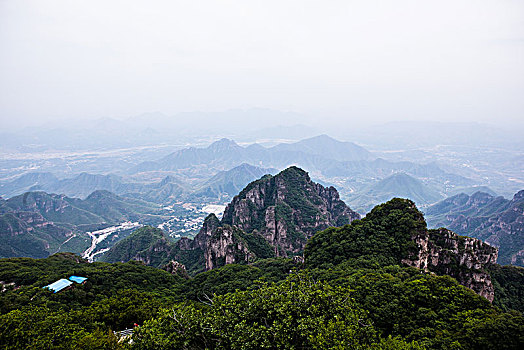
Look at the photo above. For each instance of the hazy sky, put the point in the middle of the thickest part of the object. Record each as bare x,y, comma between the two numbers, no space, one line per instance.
336,60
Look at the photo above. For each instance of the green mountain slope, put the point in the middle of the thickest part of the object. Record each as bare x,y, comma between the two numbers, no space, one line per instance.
139,244
37,224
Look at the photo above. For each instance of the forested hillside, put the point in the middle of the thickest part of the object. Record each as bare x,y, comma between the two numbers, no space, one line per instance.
382,282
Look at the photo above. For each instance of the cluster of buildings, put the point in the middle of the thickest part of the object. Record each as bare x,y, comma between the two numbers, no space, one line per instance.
63,283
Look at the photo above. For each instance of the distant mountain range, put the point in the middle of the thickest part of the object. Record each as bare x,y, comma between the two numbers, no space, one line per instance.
495,220
397,185
224,184
217,172
223,154
79,186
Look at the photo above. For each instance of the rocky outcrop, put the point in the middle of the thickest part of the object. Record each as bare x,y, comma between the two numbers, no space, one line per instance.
217,245
464,258
395,233
226,247
176,268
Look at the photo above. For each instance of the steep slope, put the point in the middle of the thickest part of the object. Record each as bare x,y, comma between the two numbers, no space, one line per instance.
29,234
496,220
57,208
136,245
395,233
215,245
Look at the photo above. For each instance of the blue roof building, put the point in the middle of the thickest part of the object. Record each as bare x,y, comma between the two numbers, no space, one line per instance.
59,285
78,279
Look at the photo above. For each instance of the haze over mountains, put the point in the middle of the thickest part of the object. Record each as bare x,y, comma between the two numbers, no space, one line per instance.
303,175
351,167
191,182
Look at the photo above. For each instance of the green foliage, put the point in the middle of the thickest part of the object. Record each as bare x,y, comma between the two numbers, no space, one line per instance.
141,240
39,328
27,234
104,280
296,314
429,309
383,236
257,245
509,287
233,277
353,295
43,222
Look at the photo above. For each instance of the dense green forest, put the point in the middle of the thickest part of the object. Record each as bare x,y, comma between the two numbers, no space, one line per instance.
351,292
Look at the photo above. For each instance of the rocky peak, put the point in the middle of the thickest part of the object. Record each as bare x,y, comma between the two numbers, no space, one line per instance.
287,209
226,247
223,145
396,233
211,223
176,268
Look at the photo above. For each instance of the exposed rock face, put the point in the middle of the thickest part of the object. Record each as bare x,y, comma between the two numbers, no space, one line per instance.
217,245
395,233
224,247
464,258
176,268
287,209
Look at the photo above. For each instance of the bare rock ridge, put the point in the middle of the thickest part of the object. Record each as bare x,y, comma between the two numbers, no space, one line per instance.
464,258
273,216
